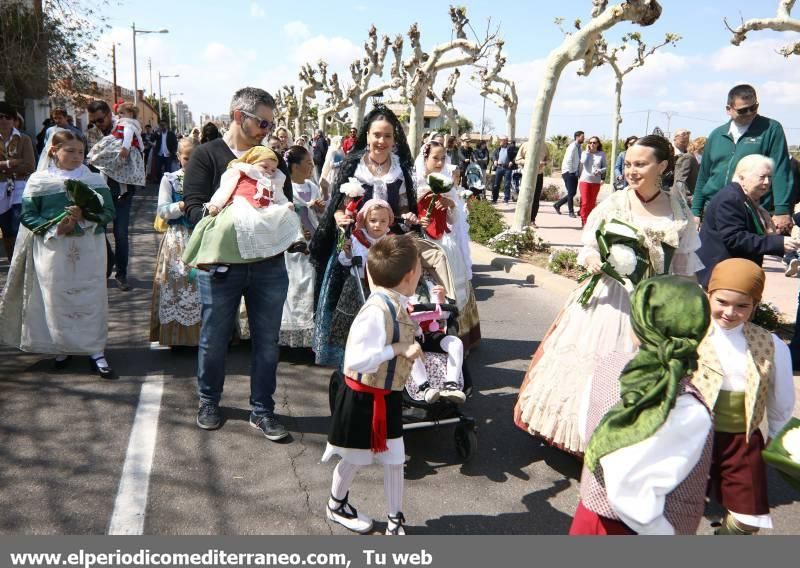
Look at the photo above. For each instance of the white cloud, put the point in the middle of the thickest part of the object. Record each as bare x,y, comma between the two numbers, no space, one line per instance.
339,52
781,92
296,30
755,57
256,10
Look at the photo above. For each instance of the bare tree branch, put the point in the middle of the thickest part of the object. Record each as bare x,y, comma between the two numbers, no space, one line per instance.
580,45
782,22
419,70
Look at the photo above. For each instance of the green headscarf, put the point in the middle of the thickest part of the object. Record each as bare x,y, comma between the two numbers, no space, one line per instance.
670,316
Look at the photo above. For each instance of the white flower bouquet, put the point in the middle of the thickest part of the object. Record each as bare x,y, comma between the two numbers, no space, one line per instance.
352,188
622,253
783,453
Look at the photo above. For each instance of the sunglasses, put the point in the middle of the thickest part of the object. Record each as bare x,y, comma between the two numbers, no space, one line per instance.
263,124
746,110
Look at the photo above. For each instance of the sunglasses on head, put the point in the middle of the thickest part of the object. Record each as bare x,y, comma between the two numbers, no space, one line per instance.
745,110
263,124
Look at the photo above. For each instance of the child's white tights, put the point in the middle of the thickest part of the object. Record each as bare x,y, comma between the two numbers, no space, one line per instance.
454,349
345,473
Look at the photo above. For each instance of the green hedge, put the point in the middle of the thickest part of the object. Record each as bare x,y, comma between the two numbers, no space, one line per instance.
485,221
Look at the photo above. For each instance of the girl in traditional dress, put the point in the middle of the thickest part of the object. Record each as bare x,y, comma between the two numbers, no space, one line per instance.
647,461
372,225
119,155
176,306
548,401
447,226
744,375
55,298
297,323
381,161
249,216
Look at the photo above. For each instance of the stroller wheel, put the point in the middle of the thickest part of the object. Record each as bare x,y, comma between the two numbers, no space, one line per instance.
466,441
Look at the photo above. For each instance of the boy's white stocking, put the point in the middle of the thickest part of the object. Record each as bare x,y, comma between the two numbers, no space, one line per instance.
393,488
343,476
455,357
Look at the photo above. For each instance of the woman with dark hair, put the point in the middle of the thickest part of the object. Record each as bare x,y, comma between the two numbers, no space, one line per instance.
297,322
591,327
381,162
210,132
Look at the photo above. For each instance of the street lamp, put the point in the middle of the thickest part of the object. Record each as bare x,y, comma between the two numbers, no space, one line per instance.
160,76
170,107
135,70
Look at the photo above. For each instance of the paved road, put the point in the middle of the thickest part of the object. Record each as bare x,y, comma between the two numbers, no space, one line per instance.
64,436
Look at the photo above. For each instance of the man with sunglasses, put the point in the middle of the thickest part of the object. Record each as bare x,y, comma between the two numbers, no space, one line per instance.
263,282
747,133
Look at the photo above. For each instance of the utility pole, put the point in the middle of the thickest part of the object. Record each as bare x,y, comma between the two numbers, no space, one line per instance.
150,69
647,124
160,76
114,71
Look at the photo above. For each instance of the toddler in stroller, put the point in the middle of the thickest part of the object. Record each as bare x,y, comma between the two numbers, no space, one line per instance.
473,176
439,374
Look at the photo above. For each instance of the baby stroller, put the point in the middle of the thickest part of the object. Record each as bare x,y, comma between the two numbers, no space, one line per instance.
418,414
516,180
473,180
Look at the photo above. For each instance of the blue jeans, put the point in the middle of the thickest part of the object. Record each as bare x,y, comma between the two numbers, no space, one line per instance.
122,219
501,174
264,285
571,183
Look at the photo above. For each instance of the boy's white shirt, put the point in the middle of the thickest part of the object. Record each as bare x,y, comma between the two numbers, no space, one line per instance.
366,344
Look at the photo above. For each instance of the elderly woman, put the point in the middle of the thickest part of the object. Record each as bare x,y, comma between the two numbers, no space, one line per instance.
734,226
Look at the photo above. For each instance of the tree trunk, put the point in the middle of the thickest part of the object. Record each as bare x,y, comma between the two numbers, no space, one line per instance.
511,122
361,110
297,122
322,121
556,63
617,122
416,124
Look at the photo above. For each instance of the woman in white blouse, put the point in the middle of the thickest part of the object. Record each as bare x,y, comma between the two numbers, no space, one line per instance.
593,172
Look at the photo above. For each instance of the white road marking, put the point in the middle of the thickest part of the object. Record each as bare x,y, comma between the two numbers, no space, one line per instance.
131,502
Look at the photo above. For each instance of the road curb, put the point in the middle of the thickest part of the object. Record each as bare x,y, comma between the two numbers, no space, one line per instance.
522,270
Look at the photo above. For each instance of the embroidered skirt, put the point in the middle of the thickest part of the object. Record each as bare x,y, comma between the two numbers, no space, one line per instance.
175,308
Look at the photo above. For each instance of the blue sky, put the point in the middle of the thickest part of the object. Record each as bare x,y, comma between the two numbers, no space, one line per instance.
218,47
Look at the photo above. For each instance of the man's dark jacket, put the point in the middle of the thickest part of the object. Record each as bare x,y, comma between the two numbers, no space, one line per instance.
172,143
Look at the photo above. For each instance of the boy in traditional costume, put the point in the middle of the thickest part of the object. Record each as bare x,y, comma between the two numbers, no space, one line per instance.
367,424
744,374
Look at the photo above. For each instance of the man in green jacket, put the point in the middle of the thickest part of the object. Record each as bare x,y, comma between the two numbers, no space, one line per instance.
746,133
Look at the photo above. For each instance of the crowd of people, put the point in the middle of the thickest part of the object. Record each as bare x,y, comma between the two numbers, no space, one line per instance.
653,372
357,247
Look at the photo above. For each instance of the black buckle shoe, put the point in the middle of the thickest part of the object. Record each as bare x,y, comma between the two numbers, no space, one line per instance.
395,526
60,364
347,516
104,371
